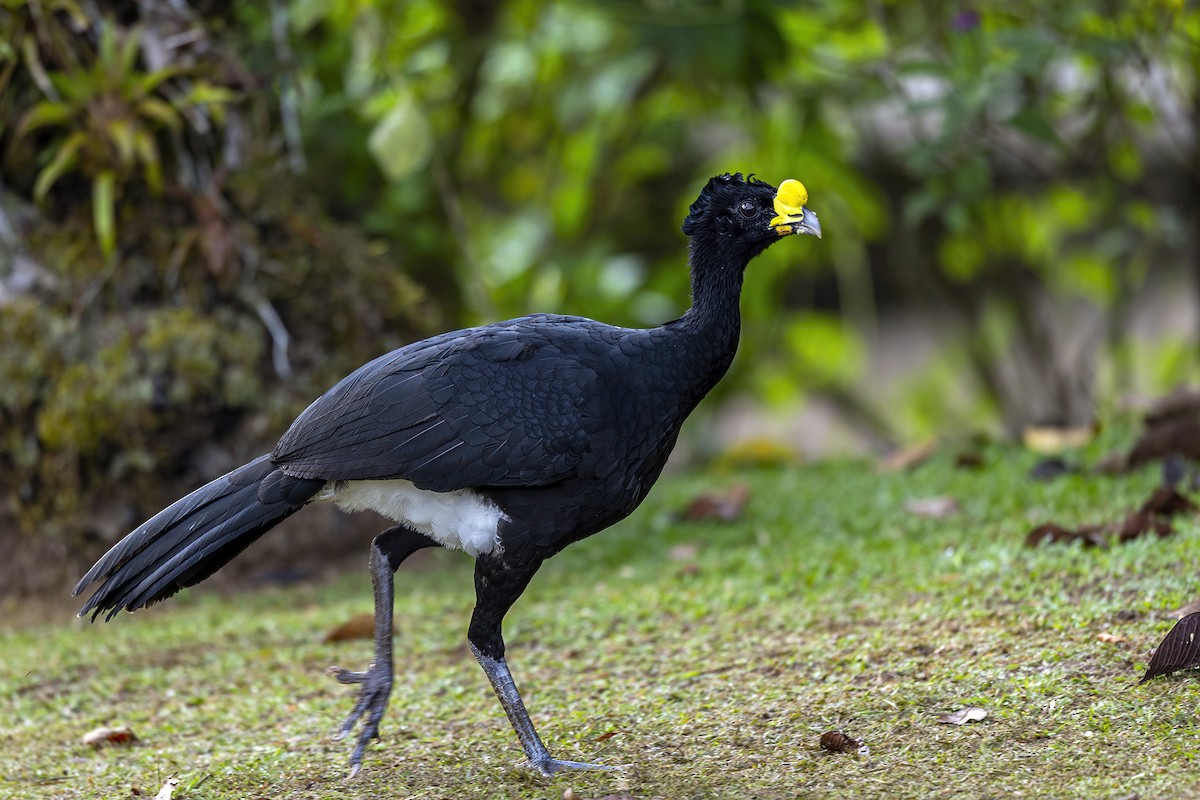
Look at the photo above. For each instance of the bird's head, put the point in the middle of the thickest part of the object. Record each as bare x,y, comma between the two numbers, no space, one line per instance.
750,214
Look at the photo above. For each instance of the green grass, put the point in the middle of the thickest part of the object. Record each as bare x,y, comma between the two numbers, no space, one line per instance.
710,670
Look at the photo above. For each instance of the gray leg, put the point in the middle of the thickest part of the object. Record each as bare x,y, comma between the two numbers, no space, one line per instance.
388,550
497,587
506,689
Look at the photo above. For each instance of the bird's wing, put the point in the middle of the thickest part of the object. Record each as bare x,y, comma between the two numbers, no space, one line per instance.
502,405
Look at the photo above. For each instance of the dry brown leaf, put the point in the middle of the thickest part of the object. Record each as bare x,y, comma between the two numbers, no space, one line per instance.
167,788
932,507
838,742
1111,638
605,736
684,552
723,507
964,715
1050,468
360,626
1184,610
1152,517
1042,439
1172,429
98,737
907,457
1179,649
968,459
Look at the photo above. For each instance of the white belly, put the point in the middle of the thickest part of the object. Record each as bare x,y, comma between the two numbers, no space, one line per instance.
460,519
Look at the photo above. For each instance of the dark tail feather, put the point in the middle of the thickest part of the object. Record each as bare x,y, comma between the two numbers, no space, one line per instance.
194,537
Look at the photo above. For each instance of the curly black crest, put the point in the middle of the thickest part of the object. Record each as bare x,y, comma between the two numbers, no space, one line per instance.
716,187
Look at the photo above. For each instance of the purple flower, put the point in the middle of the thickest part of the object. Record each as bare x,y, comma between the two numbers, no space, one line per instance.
966,20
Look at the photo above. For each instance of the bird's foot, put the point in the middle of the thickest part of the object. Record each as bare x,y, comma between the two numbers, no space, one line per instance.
552,766
372,701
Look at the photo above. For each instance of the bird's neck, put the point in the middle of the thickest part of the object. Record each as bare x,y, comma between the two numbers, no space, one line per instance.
715,317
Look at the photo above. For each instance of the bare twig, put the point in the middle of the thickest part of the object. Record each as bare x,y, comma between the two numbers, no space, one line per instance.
289,102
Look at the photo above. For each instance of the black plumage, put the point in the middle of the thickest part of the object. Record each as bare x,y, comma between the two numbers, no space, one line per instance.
510,440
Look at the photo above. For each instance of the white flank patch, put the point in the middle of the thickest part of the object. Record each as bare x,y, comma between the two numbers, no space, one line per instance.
460,520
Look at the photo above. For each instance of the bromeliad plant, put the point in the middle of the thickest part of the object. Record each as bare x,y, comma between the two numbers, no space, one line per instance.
106,115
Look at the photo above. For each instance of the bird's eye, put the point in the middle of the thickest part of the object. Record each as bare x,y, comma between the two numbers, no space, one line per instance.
748,209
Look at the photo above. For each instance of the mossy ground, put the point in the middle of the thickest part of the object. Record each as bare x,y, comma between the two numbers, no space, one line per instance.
708,657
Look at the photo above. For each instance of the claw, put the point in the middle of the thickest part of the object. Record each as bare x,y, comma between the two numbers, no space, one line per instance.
552,766
343,675
376,686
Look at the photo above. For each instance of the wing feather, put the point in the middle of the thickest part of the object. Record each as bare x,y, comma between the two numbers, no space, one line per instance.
502,405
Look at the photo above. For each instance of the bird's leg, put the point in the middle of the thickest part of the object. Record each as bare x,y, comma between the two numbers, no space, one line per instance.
388,551
497,587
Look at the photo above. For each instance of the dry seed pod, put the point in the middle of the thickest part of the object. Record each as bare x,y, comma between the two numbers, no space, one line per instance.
838,742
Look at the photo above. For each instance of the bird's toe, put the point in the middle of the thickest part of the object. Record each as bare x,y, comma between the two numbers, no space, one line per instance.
550,767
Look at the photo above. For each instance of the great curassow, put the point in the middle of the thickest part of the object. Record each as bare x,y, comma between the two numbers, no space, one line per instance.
508,441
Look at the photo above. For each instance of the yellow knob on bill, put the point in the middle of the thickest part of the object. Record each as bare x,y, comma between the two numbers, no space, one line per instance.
790,198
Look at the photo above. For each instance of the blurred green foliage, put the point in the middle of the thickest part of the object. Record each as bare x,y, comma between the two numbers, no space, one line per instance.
237,203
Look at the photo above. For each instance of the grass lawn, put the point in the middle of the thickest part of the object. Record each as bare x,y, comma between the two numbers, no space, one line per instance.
708,657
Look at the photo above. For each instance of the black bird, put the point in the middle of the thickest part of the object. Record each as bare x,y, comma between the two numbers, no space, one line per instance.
509,441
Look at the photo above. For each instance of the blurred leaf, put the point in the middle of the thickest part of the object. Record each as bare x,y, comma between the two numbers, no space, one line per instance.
1072,207
1088,275
161,112
961,257
402,141
66,156
107,45
147,152
104,211
1032,120
127,56
206,94
824,348
146,84
44,114
1125,161
121,133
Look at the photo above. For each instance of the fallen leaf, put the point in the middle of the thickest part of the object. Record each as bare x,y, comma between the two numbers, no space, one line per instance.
758,452
907,458
167,788
838,742
99,737
1179,649
1152,517
360,626
1050,468
1168,502
932,507
1172,429
683,552
723,507
1110,638
968,460
964,715
1053,533
1184,610
1050,439
605,736
1112,464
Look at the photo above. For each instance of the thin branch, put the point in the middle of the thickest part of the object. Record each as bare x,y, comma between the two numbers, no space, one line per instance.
289,102
280,338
